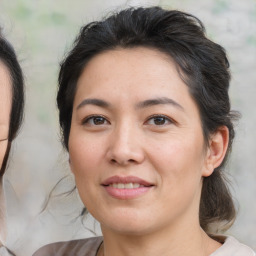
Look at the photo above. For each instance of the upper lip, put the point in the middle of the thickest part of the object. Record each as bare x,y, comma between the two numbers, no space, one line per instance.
127,179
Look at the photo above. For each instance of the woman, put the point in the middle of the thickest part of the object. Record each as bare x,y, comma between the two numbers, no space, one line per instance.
145,116
11,113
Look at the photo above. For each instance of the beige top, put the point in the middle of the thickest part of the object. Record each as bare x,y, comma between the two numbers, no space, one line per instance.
232,247
90,246
83,247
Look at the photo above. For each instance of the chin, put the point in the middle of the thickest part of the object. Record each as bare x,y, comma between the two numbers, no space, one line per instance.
126,222
126,230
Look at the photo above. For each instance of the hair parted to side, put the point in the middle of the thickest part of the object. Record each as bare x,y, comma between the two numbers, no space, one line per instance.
202,64
9,59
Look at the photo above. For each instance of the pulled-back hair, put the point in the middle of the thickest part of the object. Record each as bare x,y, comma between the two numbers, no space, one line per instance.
201,63
9,59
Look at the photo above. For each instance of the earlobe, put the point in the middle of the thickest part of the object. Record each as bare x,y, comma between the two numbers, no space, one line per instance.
216,151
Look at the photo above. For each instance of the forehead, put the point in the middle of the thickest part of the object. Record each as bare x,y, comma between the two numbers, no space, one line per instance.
133,58
5,93
145,67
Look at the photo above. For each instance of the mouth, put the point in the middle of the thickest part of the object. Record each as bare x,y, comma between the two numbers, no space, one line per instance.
126,187
128,182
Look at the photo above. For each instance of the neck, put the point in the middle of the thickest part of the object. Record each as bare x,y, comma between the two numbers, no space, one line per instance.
191,241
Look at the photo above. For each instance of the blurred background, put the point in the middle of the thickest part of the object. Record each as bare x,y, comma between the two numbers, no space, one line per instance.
39,208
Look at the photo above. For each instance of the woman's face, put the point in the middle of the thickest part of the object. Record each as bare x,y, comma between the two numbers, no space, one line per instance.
5,108
136,144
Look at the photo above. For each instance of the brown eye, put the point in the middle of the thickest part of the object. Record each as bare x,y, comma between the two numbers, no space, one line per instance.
95,120
98,120
159,120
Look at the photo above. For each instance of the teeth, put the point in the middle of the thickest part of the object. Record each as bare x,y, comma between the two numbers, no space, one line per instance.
126,185
137,185
120,185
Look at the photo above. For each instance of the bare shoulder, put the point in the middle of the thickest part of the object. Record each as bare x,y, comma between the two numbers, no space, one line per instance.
83,247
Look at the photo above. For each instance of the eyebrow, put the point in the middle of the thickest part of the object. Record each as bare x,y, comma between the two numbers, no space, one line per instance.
142,104
159,101
96,102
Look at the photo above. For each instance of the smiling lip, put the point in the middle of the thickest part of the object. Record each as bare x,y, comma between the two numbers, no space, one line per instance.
126,187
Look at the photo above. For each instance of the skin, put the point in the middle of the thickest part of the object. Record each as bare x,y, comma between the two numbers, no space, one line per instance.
128,139
5,109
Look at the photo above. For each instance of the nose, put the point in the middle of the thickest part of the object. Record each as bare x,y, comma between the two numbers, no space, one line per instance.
125,146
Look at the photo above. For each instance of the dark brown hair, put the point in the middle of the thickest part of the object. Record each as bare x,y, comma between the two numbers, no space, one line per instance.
202,64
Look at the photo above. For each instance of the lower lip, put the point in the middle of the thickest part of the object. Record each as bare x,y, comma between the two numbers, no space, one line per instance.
124,194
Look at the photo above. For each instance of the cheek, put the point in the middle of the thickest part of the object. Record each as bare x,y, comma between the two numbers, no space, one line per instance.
179,161
85,159
177,152
82,156
179,168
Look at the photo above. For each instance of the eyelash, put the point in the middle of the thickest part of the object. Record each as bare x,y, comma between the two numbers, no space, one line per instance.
92,118
153,117
165,118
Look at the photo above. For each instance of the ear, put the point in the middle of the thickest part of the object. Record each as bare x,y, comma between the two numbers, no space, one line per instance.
216,150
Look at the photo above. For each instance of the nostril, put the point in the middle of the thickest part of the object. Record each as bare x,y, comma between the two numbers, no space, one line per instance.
123,162
113,161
